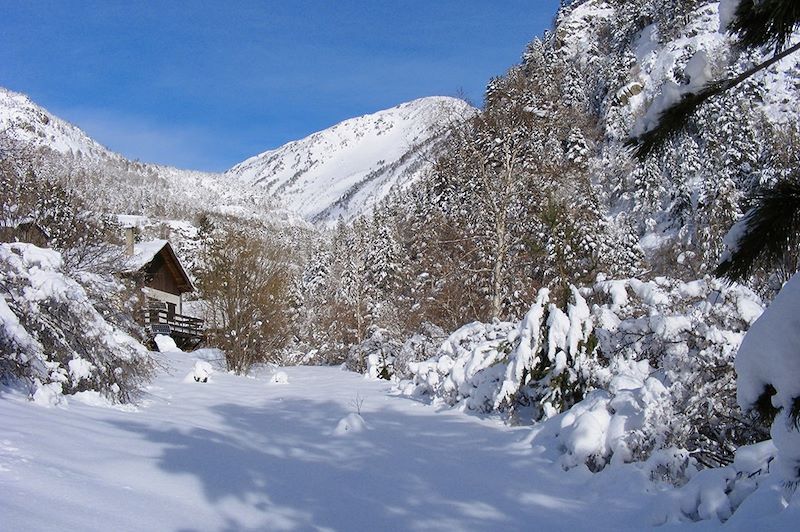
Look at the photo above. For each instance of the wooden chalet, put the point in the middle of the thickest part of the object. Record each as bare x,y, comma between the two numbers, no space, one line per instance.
164,280
24,231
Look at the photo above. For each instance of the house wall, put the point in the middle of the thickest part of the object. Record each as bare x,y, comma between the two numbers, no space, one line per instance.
166,297
160,278
24,232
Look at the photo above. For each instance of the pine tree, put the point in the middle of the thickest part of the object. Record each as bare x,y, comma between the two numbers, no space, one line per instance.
755,25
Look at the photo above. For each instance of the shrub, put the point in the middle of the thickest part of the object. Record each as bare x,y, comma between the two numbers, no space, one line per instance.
52,336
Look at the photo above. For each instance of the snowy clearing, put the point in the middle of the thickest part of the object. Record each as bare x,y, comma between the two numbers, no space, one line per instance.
239,453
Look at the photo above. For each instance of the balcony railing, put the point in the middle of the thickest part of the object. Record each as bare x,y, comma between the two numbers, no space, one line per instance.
161,321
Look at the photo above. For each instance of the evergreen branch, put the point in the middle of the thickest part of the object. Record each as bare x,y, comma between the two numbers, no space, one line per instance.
771,228
673,119
765,23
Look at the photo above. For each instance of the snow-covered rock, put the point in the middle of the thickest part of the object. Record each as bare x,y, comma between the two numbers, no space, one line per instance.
280,377
352,423
200,373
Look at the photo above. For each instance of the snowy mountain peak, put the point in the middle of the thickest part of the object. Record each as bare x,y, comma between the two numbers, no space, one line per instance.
344,170
32,125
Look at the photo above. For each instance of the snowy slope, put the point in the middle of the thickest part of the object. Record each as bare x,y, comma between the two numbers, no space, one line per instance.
641,64
345,169
114,182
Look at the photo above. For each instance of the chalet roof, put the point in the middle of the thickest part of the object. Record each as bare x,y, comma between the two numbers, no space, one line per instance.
145,252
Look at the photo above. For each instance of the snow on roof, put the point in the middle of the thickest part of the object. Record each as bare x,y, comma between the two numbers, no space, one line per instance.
132,220
144,253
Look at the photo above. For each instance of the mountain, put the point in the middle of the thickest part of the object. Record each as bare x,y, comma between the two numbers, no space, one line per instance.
108,181
345,169
34,127
339,172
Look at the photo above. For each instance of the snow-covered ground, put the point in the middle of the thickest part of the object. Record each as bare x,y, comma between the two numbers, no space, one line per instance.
286,450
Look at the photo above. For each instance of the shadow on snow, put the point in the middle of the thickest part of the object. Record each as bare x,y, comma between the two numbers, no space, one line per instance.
279,465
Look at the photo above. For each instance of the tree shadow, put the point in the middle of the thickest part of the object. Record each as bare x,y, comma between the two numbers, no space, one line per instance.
278,466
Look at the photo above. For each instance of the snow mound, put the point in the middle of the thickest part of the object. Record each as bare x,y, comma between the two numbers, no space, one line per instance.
200,373
280,377
96,399
49,395
166,344
715,494
350,424
768,364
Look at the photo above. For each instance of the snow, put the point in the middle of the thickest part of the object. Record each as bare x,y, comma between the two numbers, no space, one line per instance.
144,253
583,24
735,234
343,171
727,10
698,70
33,124
200,373
529,340
616,289
352,423
659,63
770,356
132,220
80,369
769,352
280,377
165,343
49,395
240,455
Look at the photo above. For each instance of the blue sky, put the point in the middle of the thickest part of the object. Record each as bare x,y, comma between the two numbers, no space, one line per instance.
204,85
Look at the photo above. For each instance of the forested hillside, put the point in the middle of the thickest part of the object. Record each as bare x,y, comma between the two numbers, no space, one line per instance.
541,190
583,266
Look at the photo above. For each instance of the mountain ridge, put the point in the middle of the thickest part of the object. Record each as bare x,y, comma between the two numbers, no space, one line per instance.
324,195
358,160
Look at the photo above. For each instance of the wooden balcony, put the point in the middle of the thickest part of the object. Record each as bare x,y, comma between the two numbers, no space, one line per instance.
188,332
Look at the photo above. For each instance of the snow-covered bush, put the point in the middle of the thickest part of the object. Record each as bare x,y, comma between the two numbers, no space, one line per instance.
468,368
381,356
648,366
374,356
544,361
420,346
768,365
717,493
52,336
